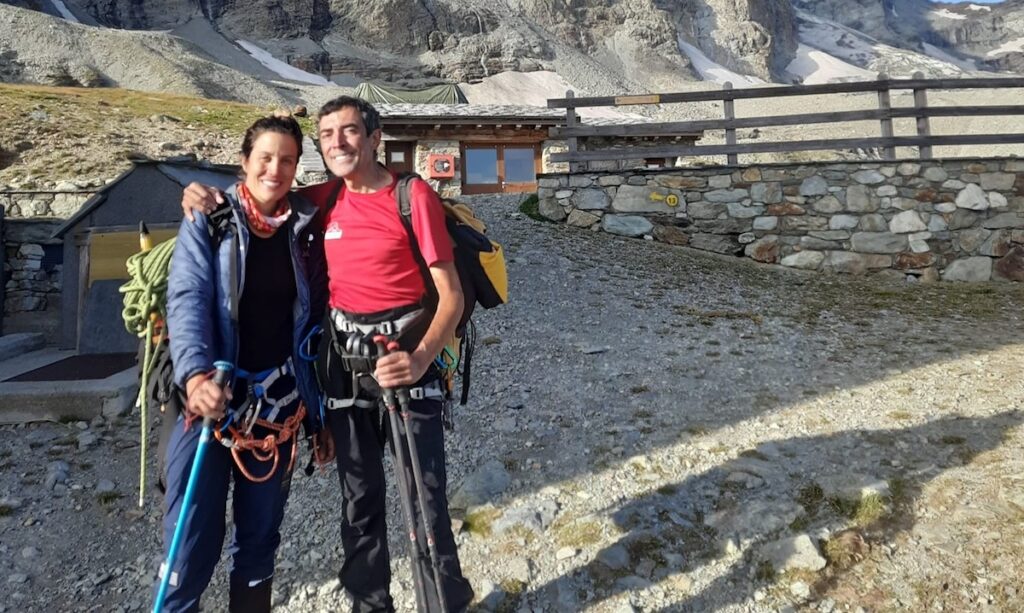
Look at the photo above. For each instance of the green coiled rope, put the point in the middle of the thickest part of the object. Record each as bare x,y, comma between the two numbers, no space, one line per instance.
145,303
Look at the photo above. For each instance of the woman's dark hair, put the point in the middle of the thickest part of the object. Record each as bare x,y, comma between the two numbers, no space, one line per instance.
282,124
371,118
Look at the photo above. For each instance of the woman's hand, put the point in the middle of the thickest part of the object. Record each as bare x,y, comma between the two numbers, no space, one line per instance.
206,398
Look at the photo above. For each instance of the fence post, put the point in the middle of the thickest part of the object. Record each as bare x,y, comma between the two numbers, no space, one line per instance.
885,105
923,126
730,133
570,122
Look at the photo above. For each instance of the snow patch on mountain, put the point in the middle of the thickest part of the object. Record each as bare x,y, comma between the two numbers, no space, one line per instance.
64,12
1008,47
944,56
709,70
814,66
870,54
979,7
948,14
283,69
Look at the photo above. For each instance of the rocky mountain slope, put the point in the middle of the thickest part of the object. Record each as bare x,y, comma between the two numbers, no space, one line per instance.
37,48
598,46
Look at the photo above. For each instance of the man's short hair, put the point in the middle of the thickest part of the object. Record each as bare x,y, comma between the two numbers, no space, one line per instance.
371,118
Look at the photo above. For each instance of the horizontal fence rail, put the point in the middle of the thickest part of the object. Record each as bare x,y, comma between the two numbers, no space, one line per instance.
788,90
885,113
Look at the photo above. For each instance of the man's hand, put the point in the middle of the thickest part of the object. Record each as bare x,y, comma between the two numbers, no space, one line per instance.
324,447
400,369
202,198
206,398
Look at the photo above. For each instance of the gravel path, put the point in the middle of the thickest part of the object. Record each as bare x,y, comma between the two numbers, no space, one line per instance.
662,430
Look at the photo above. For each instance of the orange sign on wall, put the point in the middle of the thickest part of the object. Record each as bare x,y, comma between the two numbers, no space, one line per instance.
441,165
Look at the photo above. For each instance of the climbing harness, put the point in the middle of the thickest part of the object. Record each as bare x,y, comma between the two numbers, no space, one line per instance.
352,340
239,430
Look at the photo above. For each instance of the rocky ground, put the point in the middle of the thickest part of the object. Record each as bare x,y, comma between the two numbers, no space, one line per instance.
650,429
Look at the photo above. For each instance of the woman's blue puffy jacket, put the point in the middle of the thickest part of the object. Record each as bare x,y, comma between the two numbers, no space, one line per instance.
200,317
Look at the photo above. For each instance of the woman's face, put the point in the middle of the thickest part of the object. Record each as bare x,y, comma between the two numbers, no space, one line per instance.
270,168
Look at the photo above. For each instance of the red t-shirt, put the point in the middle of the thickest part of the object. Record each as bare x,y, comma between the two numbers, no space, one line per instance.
369,261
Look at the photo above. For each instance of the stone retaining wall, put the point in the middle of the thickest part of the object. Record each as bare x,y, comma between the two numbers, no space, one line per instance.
32,281
958,220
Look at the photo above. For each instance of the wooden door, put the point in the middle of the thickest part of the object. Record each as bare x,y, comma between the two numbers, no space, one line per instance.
398,156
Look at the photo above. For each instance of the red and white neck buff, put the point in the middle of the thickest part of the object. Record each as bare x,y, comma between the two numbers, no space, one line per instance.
265,224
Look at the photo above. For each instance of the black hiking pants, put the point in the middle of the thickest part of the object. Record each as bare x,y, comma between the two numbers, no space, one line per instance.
366,572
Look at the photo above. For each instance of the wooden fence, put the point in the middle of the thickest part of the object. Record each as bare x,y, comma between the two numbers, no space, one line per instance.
887,142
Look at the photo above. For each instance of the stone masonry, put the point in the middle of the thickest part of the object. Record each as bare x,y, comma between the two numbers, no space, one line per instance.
955,220
32,216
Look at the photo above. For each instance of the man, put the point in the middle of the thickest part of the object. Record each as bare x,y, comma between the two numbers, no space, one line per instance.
373,272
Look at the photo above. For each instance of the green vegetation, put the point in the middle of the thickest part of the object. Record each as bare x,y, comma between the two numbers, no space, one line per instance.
576,533
530,206
480,520
107,498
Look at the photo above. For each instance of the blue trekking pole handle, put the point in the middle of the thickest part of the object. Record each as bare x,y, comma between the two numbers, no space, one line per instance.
220,377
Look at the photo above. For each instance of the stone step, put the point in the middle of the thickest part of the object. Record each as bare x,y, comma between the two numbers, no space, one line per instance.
13,345
29,401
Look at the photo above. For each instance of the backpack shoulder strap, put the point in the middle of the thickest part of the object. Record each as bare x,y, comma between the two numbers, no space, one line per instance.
218,222
403,201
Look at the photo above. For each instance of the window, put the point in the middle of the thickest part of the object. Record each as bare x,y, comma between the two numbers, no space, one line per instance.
482,165
489,168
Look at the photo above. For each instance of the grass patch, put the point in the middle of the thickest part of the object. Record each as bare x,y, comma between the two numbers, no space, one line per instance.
514,590
669,489
68,419
577,533
107,498
6,510
864,512
800,523
900,416
951,439
764,571
647,546
845,549
639,389
530,206
481,520
810,498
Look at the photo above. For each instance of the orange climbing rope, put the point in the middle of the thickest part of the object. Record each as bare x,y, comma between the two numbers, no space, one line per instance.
264,449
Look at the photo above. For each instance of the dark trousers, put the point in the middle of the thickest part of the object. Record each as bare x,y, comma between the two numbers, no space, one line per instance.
258,509
366,572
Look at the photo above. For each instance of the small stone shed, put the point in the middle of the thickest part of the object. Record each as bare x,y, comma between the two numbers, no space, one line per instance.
104,232
479,149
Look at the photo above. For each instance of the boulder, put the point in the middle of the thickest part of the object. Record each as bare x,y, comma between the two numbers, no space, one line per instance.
626,225
807,260
971,269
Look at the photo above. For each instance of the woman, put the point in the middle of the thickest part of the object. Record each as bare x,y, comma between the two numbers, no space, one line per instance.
249,294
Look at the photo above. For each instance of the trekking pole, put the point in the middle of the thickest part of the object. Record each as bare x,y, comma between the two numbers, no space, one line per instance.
404,400
404,493
221,377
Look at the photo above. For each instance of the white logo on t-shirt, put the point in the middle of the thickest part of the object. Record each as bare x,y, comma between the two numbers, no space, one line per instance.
333,231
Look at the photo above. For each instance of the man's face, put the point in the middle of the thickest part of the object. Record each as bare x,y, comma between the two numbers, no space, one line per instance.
348,151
